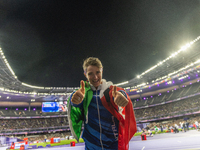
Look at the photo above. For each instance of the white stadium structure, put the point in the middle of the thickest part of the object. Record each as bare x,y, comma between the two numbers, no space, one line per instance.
169,90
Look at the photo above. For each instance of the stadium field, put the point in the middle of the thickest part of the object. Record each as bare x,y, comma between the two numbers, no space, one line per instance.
167,141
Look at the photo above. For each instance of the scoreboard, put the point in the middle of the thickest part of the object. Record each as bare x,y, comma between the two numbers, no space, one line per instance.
53,107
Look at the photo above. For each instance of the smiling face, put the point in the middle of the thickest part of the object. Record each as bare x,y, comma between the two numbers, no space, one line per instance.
94,75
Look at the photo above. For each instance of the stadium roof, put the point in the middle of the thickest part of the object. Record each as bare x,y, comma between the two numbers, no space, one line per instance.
189,56
174,64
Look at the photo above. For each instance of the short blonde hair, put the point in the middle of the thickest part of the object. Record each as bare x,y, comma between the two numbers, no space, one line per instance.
91,61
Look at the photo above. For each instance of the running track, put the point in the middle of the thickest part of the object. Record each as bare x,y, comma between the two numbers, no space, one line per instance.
168,141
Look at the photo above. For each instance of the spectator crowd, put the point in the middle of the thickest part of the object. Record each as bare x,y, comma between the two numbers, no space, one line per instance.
188,105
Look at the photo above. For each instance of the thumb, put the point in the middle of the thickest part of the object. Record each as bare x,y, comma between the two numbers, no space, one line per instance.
114,92
82,87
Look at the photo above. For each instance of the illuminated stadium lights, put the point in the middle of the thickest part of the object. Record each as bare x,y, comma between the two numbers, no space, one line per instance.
72,88
60,88
14,91
168,78
60,94
178,73
7,64
11,91
133,87
190,65
141,84
161,78
45,94
174,54
170,82
138,76
48,88
171,56
197,61
164,77
121,83
33,93
37,87
183,77
42,93
31,86
139,91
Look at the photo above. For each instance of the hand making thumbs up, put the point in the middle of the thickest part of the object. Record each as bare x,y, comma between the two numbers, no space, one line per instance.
78,96
119,98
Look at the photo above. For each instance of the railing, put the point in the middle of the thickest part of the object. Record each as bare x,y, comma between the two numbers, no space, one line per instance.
32,117
34,130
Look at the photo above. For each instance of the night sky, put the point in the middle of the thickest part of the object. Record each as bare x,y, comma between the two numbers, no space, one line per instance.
46,41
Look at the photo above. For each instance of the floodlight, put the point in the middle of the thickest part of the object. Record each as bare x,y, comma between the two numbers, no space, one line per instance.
121,83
